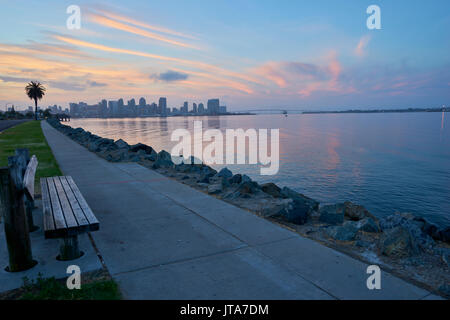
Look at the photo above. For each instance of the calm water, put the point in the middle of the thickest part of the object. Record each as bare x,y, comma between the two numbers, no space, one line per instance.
387,162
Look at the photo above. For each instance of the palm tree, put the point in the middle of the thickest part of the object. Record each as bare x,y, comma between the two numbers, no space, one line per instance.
35,91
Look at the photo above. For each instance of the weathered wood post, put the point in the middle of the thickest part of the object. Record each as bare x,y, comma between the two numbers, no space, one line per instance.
15,219
23,154
69,248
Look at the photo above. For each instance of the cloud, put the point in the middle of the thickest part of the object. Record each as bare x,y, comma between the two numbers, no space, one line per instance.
13,79
362,44
104,21
96,84
144,25
303,78
170,76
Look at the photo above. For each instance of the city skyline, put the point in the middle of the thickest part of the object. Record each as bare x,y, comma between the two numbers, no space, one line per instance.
257,54
117,108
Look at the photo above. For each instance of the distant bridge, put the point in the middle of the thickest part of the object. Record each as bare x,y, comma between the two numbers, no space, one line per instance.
272,111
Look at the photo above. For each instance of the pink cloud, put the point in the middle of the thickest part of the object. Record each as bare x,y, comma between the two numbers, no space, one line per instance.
362,44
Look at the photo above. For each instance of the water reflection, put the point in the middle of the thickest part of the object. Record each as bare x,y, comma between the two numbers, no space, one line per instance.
387,162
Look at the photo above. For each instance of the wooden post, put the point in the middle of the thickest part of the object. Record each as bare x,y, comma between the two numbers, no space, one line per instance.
69,249
24,157
15,220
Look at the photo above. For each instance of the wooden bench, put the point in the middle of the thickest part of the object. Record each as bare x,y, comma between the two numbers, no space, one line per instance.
66,214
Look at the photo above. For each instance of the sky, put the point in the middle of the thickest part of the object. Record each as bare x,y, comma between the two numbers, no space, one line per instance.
308,55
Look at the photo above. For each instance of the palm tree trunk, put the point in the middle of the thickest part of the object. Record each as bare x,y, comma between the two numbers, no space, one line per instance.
35,109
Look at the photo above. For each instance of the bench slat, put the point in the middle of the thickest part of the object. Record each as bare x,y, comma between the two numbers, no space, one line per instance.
71,221
28,178
58,216
77,211
83,204
49,223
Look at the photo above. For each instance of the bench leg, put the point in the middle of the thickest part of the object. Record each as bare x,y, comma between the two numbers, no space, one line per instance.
69,249
29,210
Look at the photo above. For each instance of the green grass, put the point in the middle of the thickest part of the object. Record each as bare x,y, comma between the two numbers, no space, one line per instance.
52,289
29,135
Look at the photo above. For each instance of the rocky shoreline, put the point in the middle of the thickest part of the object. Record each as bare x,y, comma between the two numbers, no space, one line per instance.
406,245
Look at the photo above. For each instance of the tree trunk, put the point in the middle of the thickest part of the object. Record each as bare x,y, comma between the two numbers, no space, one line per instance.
35,109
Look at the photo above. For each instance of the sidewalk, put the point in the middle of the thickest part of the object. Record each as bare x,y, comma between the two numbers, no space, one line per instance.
161,239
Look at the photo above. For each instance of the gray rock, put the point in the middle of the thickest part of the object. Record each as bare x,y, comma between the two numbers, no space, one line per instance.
208,171
225,172
140,146
332,214
445,289
444,235
289,193
398,243
245,178
117,155
215,188
272,189
237,178
163,160
297,212
122,144
368,225
356,212
413,226
346,232
248,187
363,244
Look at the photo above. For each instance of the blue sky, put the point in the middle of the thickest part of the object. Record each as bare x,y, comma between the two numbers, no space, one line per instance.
307,54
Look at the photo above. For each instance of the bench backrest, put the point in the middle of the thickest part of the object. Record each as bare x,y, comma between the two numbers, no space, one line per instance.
28,178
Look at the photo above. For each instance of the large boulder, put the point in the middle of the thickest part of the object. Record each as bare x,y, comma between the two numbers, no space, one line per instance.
412,225
272,189
444,235
122,144
225,173
297,212
332,214
215,188
140,146
248,187
101,144
346,232
237,178
163,160
356,212
398,242
368,225
117,155
298,197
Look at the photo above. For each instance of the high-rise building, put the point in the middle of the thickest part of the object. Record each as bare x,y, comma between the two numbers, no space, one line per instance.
213,106
162,106
194,107
201,108
142,102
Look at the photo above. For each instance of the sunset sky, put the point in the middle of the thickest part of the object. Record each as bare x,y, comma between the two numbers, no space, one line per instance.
251,54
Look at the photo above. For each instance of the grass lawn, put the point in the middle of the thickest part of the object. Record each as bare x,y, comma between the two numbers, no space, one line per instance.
96,285
29,135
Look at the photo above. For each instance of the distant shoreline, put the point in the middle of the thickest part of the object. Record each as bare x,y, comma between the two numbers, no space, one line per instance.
383,111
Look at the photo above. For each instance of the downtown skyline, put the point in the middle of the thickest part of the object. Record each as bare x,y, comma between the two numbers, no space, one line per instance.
252,54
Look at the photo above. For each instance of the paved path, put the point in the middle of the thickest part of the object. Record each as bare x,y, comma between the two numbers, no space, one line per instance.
5,124
161,239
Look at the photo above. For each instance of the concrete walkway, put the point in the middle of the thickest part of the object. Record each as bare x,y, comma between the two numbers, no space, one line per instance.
161,239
